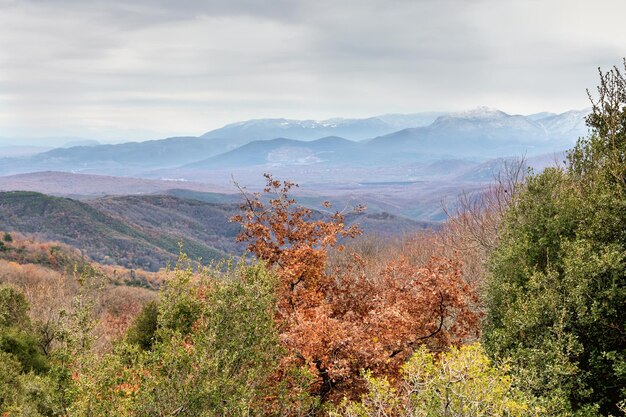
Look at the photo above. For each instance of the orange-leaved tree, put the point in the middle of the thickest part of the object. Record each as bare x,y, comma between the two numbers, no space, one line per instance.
339,321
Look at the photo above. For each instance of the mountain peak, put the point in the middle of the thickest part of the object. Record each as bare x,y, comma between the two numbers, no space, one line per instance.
481,112
478,115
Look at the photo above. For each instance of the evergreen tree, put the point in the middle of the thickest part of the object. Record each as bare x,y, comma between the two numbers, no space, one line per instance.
556,295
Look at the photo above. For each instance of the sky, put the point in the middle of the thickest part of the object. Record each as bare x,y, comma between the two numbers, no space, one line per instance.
120,70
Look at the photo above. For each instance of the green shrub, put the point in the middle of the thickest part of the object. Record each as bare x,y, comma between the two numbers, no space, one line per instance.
16,334
460,383
143,330
214,351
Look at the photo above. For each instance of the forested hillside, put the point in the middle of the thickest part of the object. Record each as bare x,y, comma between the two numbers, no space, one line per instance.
147,231
136,232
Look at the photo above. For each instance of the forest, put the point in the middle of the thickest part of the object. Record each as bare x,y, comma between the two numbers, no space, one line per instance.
514,308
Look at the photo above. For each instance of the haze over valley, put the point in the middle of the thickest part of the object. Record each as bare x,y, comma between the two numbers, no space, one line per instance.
411,167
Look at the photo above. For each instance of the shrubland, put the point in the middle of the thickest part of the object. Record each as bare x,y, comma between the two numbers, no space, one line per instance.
514,308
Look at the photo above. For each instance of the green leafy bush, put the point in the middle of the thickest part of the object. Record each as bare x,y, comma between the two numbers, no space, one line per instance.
557,287
214,351
25,389
143,330
460,383
16,333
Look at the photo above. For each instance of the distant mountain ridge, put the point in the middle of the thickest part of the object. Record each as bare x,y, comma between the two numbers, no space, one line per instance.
283,151
126,158
352,129
486,132
481,133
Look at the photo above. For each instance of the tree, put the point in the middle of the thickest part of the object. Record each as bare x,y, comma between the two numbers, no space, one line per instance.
143,330
337,322
16,335
25,388
557,284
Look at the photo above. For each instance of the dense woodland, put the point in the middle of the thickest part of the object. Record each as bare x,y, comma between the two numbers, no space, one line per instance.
516,307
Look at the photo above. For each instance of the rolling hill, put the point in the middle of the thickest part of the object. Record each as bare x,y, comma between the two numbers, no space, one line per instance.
144,231
134,232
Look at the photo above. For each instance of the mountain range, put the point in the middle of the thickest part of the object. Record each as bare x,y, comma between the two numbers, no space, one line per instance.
383,141
486,133
352,129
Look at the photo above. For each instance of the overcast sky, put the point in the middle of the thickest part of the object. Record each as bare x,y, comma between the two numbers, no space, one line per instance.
123,69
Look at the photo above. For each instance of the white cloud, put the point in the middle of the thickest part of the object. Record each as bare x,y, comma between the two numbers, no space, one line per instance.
157,68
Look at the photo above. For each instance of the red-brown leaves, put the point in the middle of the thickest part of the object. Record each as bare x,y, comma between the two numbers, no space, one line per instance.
358,316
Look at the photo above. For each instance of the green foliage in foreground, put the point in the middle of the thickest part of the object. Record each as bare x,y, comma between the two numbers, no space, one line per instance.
460,383
207,347
142,333
24,388
17,337
556,295
213,352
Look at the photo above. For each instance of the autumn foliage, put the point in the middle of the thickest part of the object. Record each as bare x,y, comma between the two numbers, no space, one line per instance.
339,320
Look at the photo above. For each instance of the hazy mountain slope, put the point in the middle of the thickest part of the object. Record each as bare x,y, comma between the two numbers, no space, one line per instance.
352,129
45,141
540,115
570,124
489,170
68,184
403,121
265,129
285,152
19,151
483,133
121,159
129,237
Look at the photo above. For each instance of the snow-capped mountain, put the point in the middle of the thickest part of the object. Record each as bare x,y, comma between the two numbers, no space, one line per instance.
353,129
571,123
477,134
486,132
